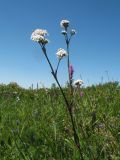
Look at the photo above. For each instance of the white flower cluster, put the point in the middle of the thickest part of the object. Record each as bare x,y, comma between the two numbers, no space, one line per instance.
73,32
41,32
64,23
39,36
61,53
78,82
64,32
17,98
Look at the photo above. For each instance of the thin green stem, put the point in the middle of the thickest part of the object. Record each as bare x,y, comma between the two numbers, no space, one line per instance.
57,66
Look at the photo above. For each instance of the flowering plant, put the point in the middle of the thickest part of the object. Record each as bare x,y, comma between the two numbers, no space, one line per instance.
39,36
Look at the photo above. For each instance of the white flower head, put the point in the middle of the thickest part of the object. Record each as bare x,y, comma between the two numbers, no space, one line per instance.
73,32
64,23
64,32
41,32
17,98
39,36
78,82
61,53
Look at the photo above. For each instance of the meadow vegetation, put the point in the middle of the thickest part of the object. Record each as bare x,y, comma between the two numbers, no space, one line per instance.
35,125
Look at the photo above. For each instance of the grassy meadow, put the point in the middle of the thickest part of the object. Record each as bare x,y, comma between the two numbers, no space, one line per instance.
35,125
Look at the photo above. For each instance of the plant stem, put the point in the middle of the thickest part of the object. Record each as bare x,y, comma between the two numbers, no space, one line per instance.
68,65
69,107
57,66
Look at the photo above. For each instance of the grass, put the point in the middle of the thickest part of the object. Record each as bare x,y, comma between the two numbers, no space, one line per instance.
34,124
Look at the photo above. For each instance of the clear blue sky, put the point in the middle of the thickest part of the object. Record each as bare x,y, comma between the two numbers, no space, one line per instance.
94,50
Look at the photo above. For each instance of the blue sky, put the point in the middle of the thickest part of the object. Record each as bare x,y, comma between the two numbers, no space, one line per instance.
95,49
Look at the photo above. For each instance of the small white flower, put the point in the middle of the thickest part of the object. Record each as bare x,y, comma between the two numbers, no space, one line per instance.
78,82
17,99
41,32
73,32
61,53
39,36
64,23
64,32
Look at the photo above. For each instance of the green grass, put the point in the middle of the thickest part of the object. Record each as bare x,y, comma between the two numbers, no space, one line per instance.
35,125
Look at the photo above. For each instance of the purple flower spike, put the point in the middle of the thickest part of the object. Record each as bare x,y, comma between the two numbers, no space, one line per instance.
71,71
81,94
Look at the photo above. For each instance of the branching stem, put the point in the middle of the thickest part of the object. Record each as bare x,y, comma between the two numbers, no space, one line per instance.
69,107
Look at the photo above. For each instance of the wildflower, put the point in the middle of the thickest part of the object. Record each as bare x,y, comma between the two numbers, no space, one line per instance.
78,82
17,98
72,32
71,71
64,32
64,23
39,36
81,94
61,53
41,32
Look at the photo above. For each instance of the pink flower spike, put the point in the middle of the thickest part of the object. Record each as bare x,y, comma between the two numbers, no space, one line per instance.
71,71
81,94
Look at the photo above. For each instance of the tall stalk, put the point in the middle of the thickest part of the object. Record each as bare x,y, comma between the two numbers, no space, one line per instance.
69,107
68,65
39,36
